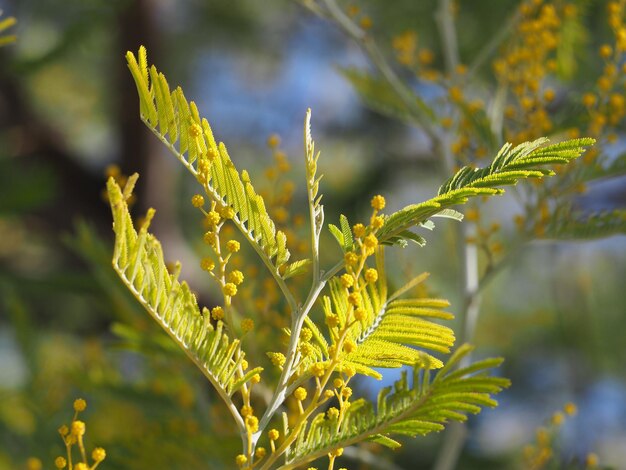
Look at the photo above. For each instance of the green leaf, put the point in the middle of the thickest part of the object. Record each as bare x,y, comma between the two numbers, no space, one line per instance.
421,407
378,95
335,232
296,268
346,230
567,226
386,441
510,165
177,123
139,262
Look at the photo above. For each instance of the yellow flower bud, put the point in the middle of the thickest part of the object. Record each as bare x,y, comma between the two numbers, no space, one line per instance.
252,423
592,460
359,314
273,141
359,230
606,51
98,454
300,393
557,418
197,200
273,434
217,313
229,289
278,359
306,334
247,324
233,246
60,462
354,298
195,130
371,275
378,202
347,280
351,259
337,452
236,277
349,346
213,218
78,428
33,463
207,264
318,369
370,241
80,405
241,460
570,409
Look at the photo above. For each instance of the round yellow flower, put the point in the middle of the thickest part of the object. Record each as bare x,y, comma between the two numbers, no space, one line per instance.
300,393
371,275
347,280
236,277
233,246
197,200
378,202
217,313
230,289
78,428
98,454
247,324
359,230
80,405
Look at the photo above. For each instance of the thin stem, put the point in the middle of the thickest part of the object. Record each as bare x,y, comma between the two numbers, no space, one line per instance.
296,327
488,49
316,213
455,434
447,31
369,46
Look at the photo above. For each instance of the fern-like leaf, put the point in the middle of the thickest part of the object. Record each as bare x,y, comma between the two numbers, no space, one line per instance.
138,260
394,332
587,226
177,123
416,408
380,96
510,165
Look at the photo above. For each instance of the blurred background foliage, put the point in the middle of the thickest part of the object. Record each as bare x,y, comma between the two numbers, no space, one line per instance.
68,111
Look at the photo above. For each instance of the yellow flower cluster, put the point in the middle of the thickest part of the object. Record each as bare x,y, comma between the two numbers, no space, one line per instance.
279,194
485,238
260,292
540,454
607,106
420,60
73,435
526,63
364,21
